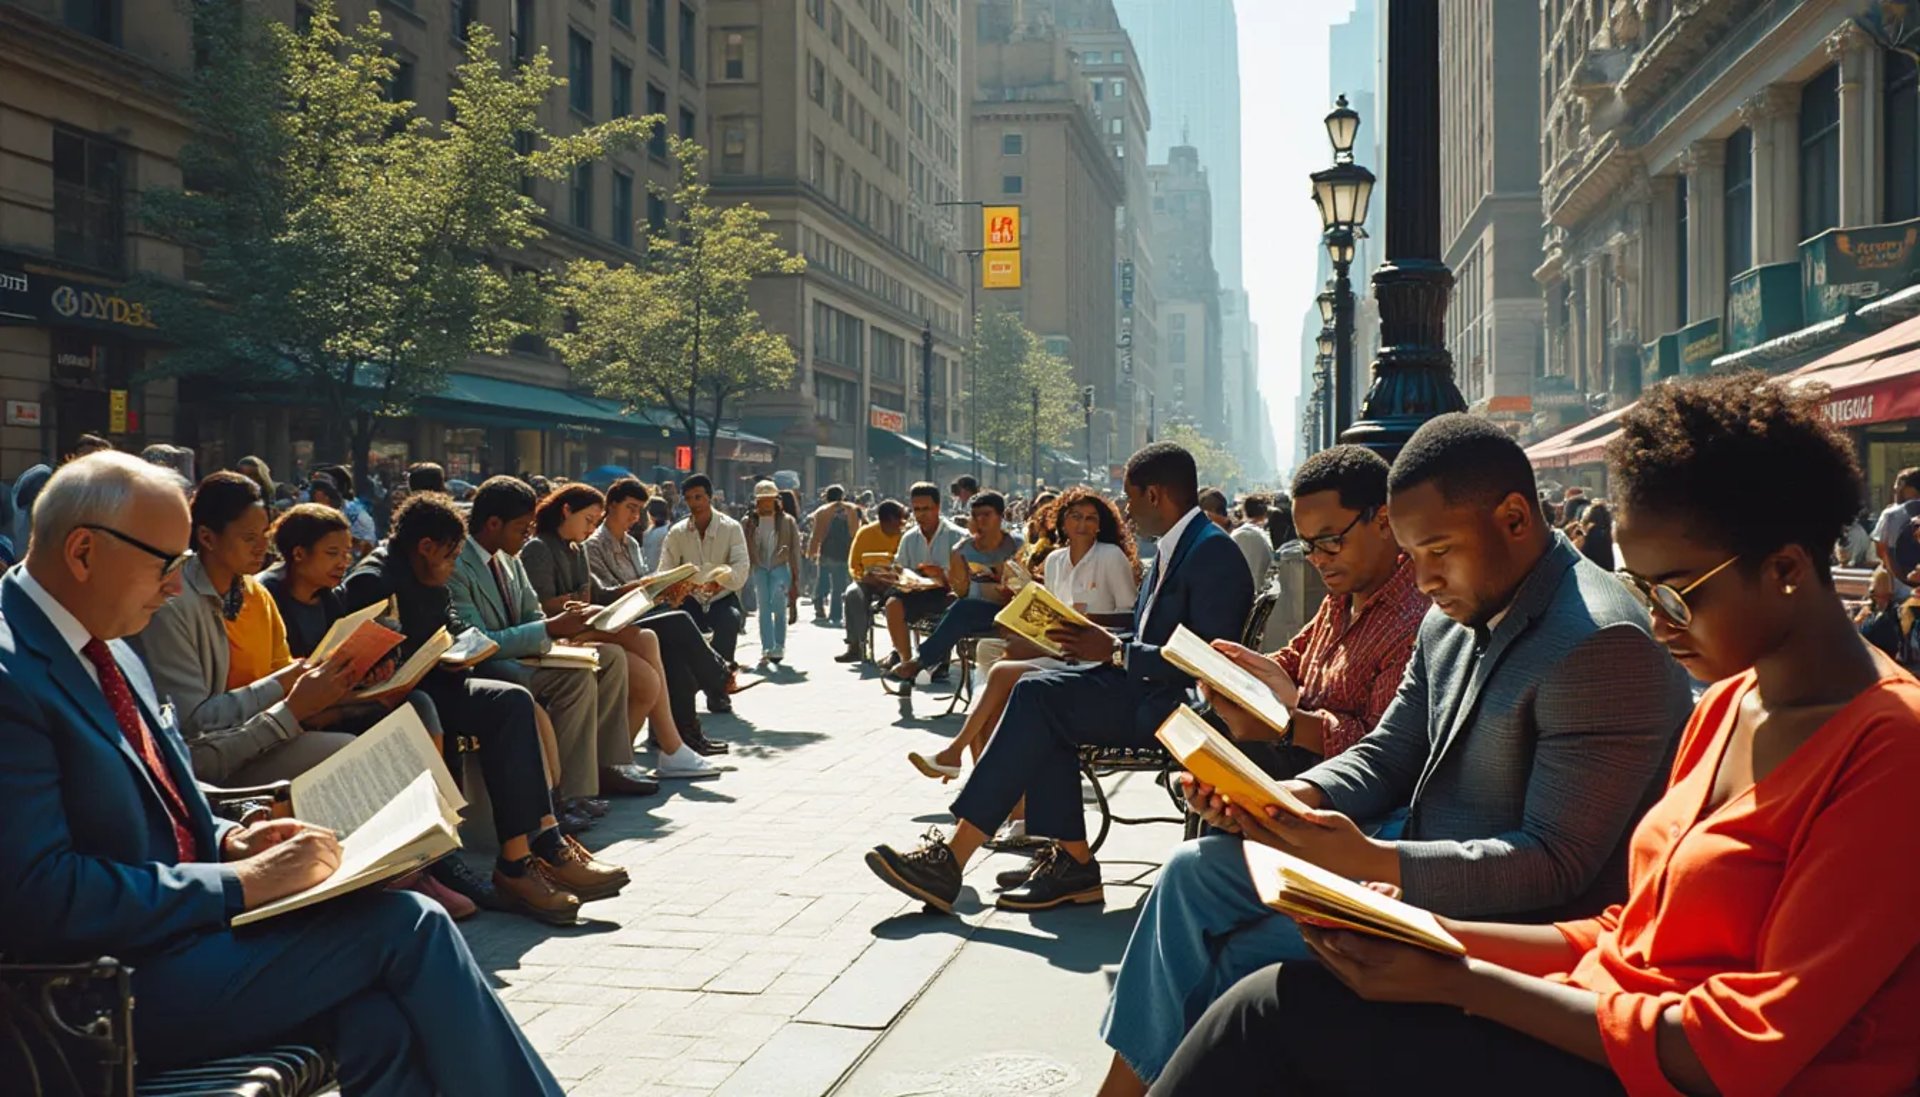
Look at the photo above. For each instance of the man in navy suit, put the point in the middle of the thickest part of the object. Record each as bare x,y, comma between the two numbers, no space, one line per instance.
107,847
1117,698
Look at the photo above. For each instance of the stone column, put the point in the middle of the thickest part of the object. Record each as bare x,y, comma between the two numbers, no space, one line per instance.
1659,284
1593,328
1705,165
1852,50
1773,116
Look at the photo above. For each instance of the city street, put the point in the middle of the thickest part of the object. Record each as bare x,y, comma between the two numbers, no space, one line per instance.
755,954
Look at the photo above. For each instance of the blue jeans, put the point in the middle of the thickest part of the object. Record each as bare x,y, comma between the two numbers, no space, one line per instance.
829,582
770,586
1201,930
965,617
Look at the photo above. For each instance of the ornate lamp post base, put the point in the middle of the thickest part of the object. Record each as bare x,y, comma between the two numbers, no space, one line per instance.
1413,374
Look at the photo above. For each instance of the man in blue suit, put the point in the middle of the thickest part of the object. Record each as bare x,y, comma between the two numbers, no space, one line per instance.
1117,698
107,847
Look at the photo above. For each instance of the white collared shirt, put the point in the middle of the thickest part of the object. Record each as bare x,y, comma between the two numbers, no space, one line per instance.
1163,558
724,542
65,623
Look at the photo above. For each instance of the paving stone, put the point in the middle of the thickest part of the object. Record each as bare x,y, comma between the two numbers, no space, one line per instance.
800,1061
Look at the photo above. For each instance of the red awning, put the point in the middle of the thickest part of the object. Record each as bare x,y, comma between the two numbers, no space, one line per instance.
1872,380
1583,444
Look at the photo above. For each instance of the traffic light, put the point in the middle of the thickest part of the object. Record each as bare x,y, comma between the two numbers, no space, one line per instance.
683,458
1086,401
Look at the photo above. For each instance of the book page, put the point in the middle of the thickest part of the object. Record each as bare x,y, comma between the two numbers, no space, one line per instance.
624,611
347,789
346,626
369,644
410,672
1035,610
407,831
470,647
566,656
1293,886
1186,650
1215,760
660,580
718,573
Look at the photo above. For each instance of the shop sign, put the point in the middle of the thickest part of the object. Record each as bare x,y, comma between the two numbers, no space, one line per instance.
1555,391
1000,270
23,413
1700,344
886,419
1000,227
33,297
117,411
1126,283
1660,360
1762,304
15,290
1509,407
1841,269
1849,410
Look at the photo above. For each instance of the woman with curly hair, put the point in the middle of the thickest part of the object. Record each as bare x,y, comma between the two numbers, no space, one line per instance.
1093,568
1767,943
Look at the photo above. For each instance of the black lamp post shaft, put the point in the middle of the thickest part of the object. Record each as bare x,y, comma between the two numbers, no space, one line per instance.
1342,416
926,390
1036,440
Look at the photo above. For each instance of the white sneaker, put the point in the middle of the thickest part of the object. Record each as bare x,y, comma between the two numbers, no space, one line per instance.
1013,830
685,764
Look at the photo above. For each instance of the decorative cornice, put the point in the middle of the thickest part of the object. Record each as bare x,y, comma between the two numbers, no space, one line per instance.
1772,101
1704,154
1846,39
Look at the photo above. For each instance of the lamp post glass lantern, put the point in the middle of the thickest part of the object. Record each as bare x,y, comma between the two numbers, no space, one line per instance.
1341,193
1343,124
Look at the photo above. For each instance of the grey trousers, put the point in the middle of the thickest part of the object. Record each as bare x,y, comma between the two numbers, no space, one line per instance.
589,713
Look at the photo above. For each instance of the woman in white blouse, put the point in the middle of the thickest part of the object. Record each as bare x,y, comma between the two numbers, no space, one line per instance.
1094,569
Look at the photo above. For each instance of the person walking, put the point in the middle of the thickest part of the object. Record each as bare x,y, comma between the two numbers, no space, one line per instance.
833,527
773,553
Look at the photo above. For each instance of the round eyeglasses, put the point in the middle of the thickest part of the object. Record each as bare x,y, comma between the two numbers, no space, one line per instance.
1671,602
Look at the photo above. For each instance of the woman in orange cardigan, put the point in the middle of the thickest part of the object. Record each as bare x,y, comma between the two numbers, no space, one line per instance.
1769,940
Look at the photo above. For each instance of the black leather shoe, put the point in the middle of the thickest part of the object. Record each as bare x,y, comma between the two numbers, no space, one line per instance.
1057,881
574,823
1014,877
704,746
719,704
453,873
929,874
851,655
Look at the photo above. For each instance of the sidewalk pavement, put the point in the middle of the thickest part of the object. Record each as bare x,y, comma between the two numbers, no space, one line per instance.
754,954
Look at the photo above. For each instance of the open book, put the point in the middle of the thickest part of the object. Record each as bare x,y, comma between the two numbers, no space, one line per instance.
361,639
423,659
390,798
1187,651
1215,760
566,656
1308,893
470,648
910,581
661,580
1035,610
1016,576
871,560
623,611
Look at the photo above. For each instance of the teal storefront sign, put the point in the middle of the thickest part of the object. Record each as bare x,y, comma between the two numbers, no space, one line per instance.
1762,304
1700,344
1660,360
1842,269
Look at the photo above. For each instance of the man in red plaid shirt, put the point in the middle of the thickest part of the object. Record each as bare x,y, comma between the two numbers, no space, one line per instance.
1340,672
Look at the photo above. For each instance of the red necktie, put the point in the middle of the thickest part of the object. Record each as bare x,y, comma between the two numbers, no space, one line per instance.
500,581
120,698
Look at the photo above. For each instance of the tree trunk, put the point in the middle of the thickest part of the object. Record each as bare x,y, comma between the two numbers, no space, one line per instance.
713,430
360,445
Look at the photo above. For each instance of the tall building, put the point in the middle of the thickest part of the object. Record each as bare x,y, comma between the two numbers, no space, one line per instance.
92,115
843,122
1033,140
1190,52
1490,202
1192,383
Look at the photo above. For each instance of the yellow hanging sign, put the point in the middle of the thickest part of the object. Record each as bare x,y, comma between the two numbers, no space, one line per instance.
1001,228
117,411
1000,270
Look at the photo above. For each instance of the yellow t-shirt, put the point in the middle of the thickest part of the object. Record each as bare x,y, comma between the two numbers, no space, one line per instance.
871,538
256,639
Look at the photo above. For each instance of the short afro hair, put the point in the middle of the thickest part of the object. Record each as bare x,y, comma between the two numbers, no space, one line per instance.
1685,448
1168,466
1472,462
426,516
502,497
1356,472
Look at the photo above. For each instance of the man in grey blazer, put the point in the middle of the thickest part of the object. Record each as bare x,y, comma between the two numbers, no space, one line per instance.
1535,721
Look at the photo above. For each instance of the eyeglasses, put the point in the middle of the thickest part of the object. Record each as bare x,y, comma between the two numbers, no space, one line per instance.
170,562
1671,603
1330,544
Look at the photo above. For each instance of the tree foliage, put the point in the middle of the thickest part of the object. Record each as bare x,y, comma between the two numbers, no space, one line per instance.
1217,467
345,244
1011,365
679,330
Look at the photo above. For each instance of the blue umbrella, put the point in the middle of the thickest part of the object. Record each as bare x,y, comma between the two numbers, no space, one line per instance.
605,475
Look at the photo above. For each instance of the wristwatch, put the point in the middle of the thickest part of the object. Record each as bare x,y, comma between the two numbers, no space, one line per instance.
1119,656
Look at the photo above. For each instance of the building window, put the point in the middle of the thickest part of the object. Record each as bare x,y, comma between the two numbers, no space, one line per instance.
733,56
889,356
1117,89
689,49
623,208
689,123
657,104
463,17
1012,144
656,214
1902,121
1738,209
1820,153
580,73
1679,254
621,94
816,80
400,87
1116,126
1013,184
837,336
818,165
88,201
834,399
623,13
657,26
302,18
733,148
523,145
580,198
94,18
520,36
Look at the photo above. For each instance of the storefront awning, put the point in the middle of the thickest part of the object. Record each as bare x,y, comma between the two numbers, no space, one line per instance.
1872,380
1584,444
891,443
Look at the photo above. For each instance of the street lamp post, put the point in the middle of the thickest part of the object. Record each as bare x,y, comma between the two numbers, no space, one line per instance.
1342,193
973,365
926,390
1413,374
1150,396
1325,381
1036,439
1086,405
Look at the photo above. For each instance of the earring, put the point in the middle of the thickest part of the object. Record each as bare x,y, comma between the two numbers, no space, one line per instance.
1788,589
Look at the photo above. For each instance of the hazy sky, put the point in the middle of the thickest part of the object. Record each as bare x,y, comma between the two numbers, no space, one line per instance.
1283,98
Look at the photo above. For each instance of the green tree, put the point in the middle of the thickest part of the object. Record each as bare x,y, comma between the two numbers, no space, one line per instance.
1217,467
1011,365
679,330
346,246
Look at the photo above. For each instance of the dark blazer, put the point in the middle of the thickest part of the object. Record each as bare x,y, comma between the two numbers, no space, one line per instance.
1200,591
87,859
1526,753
